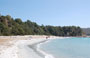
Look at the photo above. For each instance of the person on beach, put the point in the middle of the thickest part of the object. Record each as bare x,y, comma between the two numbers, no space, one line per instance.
47,37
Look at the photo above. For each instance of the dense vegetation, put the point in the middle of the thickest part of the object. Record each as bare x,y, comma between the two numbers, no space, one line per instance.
10,26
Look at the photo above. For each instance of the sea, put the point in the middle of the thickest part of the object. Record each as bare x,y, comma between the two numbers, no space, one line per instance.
66,48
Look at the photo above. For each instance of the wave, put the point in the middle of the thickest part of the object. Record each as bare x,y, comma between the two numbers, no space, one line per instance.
46,55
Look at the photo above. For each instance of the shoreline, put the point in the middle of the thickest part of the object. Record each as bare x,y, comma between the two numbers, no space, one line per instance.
19,46
28,50
45,55
35,47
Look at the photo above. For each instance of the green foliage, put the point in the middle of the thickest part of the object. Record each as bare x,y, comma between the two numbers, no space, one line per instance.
18,20
10,26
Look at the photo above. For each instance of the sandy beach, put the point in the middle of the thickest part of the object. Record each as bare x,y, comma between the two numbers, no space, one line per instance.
20,46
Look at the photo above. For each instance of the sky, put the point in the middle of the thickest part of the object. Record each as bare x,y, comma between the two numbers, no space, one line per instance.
49,12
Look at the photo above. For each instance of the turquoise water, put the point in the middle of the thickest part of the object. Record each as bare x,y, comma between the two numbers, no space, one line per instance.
68,48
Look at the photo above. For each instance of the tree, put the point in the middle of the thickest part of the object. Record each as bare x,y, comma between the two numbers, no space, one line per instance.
18,20
10,26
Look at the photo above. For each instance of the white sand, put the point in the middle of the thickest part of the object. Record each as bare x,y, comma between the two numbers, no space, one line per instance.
8,52
20,49
25,51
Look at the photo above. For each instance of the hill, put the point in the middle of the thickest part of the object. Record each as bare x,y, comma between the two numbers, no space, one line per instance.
10,26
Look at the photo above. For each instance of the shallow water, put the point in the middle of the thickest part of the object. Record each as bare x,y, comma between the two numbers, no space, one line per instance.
68,48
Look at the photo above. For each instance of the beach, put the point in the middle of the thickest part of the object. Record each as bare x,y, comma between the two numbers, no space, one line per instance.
21,46
37,46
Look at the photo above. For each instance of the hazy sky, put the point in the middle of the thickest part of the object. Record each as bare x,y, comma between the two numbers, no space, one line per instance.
49,12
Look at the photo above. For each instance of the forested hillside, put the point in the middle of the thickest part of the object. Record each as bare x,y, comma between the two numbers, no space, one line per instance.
10,26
